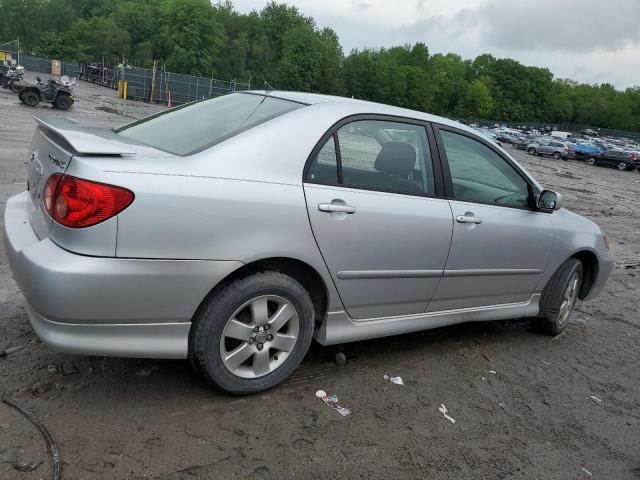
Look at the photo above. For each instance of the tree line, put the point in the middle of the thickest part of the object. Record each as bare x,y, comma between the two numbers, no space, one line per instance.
282,46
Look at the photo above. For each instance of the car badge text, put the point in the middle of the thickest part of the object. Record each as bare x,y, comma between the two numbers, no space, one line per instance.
57,162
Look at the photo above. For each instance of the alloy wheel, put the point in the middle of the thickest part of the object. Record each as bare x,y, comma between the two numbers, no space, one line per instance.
569,298
259,336
622,166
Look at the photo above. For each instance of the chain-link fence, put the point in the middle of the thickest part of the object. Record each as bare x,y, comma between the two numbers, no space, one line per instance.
44,65
177,87
180,88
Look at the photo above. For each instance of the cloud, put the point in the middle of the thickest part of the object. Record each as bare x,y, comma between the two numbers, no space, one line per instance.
587,40
524,25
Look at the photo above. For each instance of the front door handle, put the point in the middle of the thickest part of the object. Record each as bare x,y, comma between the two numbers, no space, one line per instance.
337,208
468,218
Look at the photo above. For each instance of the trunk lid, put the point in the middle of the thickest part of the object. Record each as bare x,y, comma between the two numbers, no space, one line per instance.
55,142
47,155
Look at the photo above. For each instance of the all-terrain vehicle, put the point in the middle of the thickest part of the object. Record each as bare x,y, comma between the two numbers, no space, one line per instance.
11,77
51,90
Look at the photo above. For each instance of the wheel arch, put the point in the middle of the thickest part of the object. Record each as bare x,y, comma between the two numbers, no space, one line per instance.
301,271
590,268
31,89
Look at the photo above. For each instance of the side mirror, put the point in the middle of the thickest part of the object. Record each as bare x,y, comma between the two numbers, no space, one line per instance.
549,201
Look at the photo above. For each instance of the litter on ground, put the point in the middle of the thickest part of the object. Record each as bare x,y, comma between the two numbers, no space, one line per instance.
442,409
595,399
332,401
394,380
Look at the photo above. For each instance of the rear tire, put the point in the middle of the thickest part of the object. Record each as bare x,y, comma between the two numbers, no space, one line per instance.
30,98
622,166
560,296
591,161
556,155
231,324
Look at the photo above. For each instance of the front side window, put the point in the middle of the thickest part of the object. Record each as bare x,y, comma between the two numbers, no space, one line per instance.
192,128
378,155
480,175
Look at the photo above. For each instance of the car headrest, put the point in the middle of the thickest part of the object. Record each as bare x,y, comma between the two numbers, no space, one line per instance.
396,158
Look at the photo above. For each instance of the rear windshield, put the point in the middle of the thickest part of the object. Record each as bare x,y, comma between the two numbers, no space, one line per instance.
197,126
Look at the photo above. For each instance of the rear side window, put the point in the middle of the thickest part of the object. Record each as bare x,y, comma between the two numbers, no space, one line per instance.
324,168
197,126
376,155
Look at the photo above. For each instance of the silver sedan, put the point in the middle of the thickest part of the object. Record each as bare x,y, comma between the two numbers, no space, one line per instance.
233,231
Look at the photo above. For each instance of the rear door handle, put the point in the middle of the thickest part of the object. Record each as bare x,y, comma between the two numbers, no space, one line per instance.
468,218
332,207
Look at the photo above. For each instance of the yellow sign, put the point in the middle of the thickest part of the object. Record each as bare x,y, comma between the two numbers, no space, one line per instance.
2,56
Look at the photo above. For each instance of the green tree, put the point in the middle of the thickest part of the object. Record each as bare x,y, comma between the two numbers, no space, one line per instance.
281,45
94,38
476,100
191,36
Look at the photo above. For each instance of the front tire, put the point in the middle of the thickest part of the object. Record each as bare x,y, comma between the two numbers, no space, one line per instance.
250,335
532,151
63,101
590,161
556,155
560,296
622,166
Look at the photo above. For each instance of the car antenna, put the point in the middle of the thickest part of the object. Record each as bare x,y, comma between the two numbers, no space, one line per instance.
267,85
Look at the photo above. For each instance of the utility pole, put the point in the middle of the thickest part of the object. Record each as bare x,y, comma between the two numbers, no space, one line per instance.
153,80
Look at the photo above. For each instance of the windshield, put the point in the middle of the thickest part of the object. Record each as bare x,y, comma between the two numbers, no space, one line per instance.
192,128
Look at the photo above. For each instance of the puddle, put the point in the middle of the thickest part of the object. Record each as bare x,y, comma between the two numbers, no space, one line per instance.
568,175
115,111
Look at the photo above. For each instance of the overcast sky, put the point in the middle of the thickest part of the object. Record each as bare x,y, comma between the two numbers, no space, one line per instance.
592,41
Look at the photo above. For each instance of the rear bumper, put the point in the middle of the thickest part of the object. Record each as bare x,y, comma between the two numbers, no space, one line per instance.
142,340
102,306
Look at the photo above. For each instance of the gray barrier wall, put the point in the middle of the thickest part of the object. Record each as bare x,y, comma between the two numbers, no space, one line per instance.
181,88
43,65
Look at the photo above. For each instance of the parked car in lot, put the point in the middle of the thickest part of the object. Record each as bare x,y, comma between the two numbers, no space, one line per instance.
580,151
553,148
488,135
615,158
521,143
234,230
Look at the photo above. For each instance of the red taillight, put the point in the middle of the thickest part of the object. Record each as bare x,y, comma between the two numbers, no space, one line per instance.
76,203
50,192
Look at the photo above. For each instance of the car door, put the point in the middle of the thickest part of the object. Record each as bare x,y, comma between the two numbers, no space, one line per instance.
545,148
608,158
384,234
500,245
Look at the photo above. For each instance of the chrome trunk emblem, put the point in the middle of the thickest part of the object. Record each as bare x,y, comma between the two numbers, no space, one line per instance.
58,163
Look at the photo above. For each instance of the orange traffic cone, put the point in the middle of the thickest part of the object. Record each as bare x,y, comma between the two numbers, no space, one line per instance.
169,104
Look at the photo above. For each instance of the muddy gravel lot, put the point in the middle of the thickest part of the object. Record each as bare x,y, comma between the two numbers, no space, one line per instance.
525,405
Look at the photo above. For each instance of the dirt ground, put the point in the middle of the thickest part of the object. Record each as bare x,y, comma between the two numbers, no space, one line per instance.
522,402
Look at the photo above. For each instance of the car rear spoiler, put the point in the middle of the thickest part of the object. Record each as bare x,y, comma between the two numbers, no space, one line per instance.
90,141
